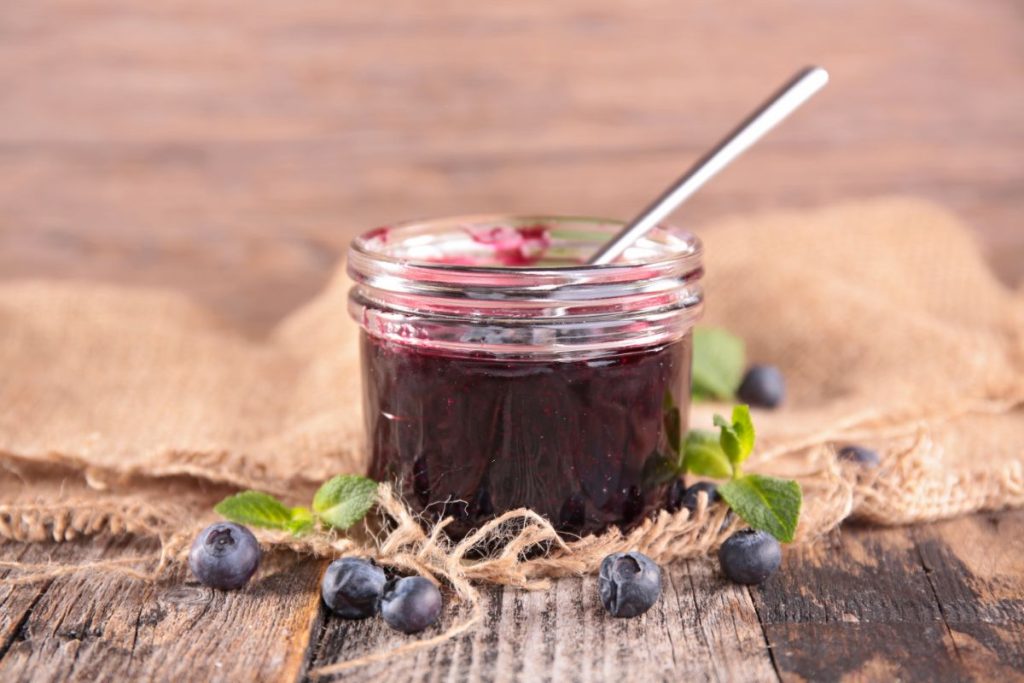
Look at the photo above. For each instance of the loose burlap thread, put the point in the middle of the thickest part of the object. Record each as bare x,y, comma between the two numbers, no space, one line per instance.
132,412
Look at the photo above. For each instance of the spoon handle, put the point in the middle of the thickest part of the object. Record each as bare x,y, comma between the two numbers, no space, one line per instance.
781,104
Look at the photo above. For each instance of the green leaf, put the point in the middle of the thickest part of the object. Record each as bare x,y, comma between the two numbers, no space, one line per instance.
765,503
673,421
737,437
729,440
703,455
301,522
255,509
699,396
344,500
743,427
718,363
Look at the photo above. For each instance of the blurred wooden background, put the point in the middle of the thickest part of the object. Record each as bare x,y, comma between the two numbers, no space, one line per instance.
232,148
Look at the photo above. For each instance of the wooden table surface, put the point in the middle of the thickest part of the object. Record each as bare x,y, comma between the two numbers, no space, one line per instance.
231,149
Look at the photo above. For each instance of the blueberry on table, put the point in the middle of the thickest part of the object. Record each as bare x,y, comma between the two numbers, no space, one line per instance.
762,386
352,587
858,454
629,584
410,604
224,555
750,556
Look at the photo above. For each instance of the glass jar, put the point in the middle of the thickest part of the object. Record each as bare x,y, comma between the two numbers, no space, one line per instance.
499,371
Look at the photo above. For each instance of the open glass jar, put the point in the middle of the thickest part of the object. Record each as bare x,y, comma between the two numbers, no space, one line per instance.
500,372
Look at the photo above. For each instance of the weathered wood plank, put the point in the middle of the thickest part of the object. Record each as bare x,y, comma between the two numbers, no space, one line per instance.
16,601
715,633
858,607
976,569
702,629
94,626
289,246
343,640
931,603
169,146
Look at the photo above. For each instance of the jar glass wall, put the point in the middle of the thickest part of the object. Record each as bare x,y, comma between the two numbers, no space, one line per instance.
499,372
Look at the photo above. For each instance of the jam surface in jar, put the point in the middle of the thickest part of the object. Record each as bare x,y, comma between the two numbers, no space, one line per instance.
579,441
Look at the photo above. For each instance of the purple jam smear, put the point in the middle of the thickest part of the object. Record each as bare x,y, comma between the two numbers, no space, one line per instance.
513,246
583,442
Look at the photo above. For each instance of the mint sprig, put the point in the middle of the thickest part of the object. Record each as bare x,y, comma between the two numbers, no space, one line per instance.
765,503
719,359
703,455
344,500
256,508
338,504
737,437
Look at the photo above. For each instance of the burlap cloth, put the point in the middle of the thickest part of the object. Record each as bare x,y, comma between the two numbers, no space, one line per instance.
130,411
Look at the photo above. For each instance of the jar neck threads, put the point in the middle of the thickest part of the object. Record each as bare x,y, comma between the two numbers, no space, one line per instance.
519,286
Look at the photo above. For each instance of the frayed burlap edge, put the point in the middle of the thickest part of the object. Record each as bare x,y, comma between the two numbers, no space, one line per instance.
906,488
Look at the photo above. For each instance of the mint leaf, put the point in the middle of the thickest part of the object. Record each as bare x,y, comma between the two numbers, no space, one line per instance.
703,455
301,521
743,426
700,396
256,509
729,440
718,363
344,500
765,503
737,437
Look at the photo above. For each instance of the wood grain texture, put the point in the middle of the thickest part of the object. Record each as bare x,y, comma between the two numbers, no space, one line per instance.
862,604
94,626
16,602
937,602
703,628
232,149
868,604
976,571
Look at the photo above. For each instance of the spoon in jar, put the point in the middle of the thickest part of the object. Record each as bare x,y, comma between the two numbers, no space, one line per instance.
781,104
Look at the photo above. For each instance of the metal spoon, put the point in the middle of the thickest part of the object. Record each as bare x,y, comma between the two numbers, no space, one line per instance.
781,104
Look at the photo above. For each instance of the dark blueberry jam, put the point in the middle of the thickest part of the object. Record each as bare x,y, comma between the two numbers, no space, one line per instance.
582,442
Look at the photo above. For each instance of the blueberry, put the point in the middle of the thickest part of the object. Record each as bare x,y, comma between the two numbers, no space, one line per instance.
858,454
410,604
750,556
224,555
682,496
674,499
689,499
352,587
762,386
629,584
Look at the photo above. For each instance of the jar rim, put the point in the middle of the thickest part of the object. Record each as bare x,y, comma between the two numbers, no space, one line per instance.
365,251
408,290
